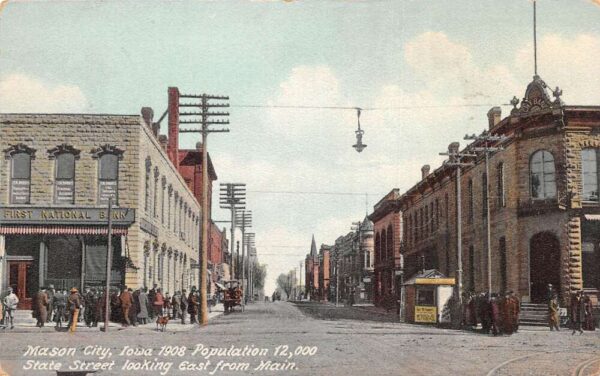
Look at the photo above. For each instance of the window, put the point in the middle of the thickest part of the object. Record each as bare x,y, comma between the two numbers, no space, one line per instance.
500,183
64,183
542,174
108,173
425,297
447,208
162,200
589,158
155,200
147,186
20,178
470,192
484,195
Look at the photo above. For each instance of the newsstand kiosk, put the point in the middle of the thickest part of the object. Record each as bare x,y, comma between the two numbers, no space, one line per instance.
427,296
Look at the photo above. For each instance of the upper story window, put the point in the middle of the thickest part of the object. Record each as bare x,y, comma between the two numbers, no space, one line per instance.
155,199
108,173
542,175
471,203
484,194
20,156
64,173
589,170
147,185
500,183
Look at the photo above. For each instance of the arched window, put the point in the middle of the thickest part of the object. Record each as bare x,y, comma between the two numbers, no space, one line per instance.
20,156
383,245
108,173
589,170
542,175
147,186
377,247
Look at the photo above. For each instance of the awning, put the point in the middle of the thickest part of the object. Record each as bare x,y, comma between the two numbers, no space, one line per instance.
60,230
592,217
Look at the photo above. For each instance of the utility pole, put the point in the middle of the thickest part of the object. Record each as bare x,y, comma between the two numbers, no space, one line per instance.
456,159
301,270
108,267
482,145
243,221
205,116
232,197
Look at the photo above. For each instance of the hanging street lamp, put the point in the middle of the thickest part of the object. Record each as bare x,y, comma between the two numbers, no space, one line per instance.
359,146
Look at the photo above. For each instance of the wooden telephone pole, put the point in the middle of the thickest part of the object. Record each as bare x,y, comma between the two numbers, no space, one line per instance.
205,115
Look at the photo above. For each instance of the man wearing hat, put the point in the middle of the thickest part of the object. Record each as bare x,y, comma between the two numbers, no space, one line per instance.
50,293
10,303
73,304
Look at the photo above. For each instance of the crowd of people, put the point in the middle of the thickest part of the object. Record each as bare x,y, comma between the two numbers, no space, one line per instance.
126,306
497,313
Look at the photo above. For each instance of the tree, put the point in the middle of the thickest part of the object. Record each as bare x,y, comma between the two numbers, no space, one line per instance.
259,273
286,282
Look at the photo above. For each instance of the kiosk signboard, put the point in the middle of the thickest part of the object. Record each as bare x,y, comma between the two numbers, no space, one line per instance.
425,314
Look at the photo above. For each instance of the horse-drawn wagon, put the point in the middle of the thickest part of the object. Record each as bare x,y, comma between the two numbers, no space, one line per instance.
232,295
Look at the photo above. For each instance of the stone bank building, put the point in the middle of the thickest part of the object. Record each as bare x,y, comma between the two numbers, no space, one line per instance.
56,177
544,206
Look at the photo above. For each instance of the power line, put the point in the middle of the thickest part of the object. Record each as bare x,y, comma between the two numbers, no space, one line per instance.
318,193
306,107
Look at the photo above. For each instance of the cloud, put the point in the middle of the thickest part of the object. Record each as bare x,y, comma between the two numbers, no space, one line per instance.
446,68
22,93
568,62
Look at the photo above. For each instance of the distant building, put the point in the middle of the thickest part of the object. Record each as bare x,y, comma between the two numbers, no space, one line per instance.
387,226
324,261
312,272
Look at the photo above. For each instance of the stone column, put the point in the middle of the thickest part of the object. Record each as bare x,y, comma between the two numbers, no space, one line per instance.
3,273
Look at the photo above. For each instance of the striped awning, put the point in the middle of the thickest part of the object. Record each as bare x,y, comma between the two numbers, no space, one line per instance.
60,230
592,217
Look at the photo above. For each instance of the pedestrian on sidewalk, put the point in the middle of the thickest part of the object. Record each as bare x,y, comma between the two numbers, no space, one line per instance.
184,305
176,304
158,303
40,307
143,302
553,319
588,307
126,301
74,303
135,307
193,306
59,305
167,305
151,297
50,292
577,312
10,305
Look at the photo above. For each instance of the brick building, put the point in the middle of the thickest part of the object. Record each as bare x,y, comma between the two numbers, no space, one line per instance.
58,174
544,208
324,260
189,165
387,227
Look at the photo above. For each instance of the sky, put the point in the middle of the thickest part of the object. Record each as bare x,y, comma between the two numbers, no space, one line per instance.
430,71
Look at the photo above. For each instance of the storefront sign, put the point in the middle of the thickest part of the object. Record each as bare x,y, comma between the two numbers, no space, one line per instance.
108,189
74,216
65,191
20,191
425,314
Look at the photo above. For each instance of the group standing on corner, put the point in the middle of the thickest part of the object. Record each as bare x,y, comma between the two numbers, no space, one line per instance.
498,314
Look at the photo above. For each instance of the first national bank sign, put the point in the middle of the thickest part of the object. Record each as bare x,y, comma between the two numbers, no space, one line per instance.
65,216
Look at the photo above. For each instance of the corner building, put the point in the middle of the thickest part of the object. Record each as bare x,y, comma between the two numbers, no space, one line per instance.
544,208
58,174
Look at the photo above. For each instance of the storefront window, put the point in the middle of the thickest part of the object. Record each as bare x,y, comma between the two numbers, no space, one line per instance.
425,297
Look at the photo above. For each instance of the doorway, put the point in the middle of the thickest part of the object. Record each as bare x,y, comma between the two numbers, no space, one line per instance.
22,281
544,265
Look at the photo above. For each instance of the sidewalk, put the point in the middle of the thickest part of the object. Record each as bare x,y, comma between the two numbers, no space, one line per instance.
24,323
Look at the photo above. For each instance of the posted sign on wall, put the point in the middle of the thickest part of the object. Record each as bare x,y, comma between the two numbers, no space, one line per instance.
425,314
